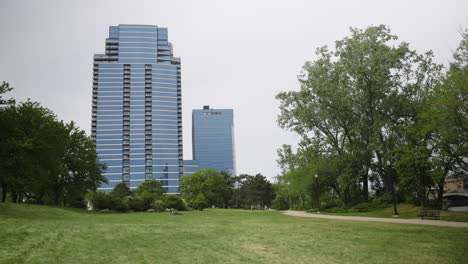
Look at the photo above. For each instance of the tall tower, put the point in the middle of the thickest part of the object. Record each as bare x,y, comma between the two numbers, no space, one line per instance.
213,139
137,108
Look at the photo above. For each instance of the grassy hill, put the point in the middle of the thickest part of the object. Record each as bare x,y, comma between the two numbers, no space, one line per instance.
42,234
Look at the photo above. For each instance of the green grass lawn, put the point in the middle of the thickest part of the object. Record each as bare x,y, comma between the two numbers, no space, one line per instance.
407,211
41,234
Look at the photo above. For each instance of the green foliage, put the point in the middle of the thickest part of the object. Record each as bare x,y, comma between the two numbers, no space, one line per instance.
98,200
175,202
358,112
362,207
152,187
159,205
122,199
43,159
121,191
136,204
211,183
254,191
445,117
280,203
199,202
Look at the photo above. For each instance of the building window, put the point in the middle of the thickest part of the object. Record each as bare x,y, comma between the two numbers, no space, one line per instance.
126,177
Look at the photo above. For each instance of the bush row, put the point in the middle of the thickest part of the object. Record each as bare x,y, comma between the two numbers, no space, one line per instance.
149,195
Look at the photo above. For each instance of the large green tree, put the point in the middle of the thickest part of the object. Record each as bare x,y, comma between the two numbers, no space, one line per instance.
256,191
352,105
209,182
445,120
45,160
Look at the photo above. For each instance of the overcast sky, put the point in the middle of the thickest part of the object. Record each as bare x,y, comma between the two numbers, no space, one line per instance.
235,54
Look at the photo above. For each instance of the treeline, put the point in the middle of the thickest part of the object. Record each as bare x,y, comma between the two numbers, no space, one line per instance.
379,123
203,189
44,160
208,187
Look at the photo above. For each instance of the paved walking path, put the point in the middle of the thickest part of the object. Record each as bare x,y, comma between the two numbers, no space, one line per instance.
377,219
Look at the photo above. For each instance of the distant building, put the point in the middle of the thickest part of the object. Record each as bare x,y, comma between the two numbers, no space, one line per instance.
456,191
213,139
190,166
137,108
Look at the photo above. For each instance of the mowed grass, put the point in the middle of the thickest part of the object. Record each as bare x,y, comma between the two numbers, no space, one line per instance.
41,234
407,211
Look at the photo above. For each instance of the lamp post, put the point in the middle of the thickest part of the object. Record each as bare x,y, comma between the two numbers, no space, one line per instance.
318,193
392,182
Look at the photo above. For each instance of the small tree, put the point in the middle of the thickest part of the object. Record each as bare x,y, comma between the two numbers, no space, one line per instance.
200,202
152,187
121,191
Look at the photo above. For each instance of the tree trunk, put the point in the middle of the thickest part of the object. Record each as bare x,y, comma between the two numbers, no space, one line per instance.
4,192
440,191
365,187
14,196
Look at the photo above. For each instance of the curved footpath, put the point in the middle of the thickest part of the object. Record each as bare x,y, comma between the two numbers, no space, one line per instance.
377,219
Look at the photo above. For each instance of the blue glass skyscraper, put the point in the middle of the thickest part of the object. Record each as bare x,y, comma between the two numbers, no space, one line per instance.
136,109
213,139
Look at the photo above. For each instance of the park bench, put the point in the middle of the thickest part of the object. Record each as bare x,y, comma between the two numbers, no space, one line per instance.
430,213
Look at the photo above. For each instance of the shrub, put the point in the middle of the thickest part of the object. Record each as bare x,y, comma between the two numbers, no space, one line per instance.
159,205
174,201
148,198
98,200
328,201
136,204
362,207
382,200
117,204
79,202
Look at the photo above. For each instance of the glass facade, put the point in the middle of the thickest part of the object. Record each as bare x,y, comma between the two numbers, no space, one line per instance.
213,139
137,108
